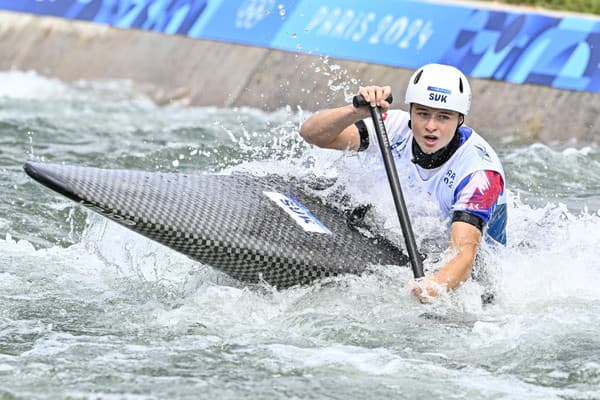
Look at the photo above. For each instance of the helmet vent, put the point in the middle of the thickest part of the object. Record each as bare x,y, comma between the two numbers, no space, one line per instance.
418,77
460,85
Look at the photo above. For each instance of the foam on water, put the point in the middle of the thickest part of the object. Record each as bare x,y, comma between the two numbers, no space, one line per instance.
29,85
364,328
109,314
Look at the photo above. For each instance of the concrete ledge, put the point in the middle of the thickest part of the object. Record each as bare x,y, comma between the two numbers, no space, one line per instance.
225,75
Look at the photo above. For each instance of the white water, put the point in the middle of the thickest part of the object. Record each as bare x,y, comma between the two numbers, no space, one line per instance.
91,310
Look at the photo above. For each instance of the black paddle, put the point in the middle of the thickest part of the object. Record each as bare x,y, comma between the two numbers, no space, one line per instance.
392,173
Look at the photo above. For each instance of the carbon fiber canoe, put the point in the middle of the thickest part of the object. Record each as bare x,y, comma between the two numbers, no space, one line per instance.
253,229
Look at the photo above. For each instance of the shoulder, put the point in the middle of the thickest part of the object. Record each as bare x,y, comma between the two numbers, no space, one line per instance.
476,152
396,118
479,193
396,122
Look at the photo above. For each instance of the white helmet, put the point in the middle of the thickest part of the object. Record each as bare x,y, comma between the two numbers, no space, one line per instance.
440,86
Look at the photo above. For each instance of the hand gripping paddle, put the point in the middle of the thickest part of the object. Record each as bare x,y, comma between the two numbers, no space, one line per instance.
392,174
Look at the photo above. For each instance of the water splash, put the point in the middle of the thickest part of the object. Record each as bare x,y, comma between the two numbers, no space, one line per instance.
112,313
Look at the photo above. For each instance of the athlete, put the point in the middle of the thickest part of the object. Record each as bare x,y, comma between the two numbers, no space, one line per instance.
455,166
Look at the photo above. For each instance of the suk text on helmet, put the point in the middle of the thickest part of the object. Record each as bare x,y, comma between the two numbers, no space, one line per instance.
440,86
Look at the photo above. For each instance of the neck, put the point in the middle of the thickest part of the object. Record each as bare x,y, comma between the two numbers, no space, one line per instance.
435,159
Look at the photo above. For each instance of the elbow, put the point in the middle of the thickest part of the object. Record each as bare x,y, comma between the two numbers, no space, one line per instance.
307,134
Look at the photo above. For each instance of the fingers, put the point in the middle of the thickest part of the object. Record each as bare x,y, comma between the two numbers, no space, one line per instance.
422,294
376,95
426,290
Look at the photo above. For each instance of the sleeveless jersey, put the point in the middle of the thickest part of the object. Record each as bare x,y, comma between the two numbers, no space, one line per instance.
472,180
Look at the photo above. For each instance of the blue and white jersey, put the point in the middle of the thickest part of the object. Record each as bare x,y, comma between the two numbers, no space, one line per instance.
472,180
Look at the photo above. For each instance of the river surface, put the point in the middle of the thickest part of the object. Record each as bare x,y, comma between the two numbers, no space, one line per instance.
90,310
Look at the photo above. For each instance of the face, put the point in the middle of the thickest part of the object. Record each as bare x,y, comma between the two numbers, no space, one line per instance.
433,128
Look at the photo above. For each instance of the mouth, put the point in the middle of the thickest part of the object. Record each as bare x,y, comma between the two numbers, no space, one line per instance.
430,140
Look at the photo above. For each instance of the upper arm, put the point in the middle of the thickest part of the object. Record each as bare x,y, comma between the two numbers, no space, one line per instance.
332,128
348,139
478,195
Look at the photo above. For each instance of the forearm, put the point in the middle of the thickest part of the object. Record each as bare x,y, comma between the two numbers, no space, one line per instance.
325,127
464,241
457,270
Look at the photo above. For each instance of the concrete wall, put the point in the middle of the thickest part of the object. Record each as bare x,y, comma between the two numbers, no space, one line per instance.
225,75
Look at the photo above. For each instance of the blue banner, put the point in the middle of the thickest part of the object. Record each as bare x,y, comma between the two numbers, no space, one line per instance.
407,34
511,46
254,22
167,16
529,48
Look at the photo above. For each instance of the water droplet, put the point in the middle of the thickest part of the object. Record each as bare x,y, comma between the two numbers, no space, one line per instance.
175,163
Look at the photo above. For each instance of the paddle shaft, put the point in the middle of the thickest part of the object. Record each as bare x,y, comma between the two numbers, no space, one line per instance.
392,174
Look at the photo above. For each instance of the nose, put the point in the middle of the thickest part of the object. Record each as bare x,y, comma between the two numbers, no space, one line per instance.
431,124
